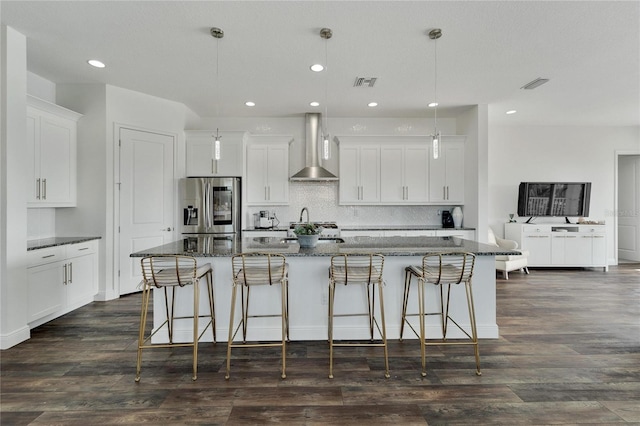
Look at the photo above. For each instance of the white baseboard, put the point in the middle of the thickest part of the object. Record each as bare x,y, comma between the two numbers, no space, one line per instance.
15,337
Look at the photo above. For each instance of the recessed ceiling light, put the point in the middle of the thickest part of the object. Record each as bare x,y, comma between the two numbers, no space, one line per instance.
314,103
317,67
433,104
511,111
372,104
250,104
96,63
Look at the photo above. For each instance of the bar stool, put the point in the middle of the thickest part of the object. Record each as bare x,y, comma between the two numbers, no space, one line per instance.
365,270
169,273
443,270
258,269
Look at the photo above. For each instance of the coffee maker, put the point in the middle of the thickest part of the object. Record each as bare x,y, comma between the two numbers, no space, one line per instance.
262,220
447,219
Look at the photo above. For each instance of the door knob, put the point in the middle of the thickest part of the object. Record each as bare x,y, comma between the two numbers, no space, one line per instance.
168,229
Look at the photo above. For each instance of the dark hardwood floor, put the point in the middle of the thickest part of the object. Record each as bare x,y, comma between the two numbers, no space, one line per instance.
568,353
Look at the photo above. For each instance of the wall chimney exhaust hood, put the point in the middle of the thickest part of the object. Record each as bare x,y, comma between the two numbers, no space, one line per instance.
313,170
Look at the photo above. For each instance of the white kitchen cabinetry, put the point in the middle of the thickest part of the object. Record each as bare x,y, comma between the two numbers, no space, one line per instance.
268,172
446,173
561,245
51,150
359,174
361,233
60,279
404,174
201,155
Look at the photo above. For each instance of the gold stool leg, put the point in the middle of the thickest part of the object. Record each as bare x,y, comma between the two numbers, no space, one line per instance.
245,311
472,320
212,304
384,333
332,290
146,292
285,328
405,300
421,314
230,340
196,294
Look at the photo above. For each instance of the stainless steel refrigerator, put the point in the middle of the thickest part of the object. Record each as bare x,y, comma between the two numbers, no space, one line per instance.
210,205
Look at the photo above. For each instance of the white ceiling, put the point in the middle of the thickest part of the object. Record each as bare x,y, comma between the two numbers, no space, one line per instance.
589,50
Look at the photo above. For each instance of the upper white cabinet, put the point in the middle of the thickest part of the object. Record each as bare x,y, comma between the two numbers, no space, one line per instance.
51,150
399,170
446,173
201,155
268,170
404,174
359,174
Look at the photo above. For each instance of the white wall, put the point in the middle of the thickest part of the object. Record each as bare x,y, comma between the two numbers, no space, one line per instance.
556,153
13,203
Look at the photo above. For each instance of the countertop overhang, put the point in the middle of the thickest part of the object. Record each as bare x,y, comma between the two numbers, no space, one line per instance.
210,246
56,241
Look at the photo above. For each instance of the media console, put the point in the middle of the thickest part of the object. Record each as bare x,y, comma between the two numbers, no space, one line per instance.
561,245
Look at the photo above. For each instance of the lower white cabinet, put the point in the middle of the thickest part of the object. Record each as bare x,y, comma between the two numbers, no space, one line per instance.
249,233
561,245
60,279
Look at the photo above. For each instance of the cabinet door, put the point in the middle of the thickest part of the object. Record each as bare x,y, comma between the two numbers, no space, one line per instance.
349,190
454,172
57,160
539,247
201,156
369,169
599,249
416,174
392,185
577,250
200,160
33,157
558,249
446,174
46,290
81,283
256,174
268,174
278,174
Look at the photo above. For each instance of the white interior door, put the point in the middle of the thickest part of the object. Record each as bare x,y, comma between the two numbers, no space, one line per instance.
629,207
146,199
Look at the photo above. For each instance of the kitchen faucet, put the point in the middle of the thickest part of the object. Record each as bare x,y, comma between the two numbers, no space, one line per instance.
304,209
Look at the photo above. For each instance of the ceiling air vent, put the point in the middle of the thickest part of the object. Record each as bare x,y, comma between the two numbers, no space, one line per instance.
535,83
365,82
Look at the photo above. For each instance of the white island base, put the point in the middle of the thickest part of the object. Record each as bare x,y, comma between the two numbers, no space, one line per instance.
308,293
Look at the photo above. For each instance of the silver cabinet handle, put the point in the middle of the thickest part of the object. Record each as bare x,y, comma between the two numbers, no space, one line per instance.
266,197
64,274
38,189
70,273
444,193
49,255
447,192
212,166
44,189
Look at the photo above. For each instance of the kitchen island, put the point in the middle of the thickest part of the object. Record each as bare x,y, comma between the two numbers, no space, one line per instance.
308,285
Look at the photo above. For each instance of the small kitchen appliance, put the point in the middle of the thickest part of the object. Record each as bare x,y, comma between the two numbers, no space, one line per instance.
262,220
447,219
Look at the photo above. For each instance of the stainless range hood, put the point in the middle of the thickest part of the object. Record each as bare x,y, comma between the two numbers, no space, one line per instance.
313,170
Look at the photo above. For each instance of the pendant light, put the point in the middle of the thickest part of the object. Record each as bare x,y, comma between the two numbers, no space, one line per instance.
434,35
326,34
217,33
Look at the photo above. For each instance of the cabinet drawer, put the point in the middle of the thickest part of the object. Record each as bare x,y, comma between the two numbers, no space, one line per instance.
592,229
536,229
80,249
44,256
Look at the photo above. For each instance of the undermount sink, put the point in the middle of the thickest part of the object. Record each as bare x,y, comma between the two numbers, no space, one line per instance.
293,240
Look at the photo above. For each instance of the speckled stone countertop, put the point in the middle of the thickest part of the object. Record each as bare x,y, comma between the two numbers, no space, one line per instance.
400,227
208,246
56,241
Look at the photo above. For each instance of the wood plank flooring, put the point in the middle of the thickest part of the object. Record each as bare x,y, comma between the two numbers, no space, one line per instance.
568,353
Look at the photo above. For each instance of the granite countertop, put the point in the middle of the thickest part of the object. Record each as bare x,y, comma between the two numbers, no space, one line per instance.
208,246
400,228
56,241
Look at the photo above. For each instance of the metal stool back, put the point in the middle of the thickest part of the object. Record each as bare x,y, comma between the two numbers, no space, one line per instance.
365,270
258,269
167,273
443,270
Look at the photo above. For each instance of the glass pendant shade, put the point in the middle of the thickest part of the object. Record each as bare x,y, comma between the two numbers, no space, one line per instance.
216,149
436,145
326,147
